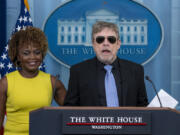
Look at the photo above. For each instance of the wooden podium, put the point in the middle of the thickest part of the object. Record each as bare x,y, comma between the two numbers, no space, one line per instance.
104,120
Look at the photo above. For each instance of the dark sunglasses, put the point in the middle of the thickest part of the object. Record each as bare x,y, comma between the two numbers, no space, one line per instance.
111,39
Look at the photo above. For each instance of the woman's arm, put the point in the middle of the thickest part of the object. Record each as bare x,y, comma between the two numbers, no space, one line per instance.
3,98
60,91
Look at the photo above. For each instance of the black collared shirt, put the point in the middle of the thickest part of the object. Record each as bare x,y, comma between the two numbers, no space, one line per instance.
101,78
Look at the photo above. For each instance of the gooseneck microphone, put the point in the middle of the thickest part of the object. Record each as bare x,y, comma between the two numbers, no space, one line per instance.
147,78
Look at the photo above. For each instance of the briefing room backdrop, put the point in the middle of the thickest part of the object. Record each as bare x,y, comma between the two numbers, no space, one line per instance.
163,68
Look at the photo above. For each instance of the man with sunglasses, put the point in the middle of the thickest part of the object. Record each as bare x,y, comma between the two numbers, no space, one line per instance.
106,80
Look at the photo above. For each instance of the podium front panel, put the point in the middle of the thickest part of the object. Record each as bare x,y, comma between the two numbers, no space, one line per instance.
97,120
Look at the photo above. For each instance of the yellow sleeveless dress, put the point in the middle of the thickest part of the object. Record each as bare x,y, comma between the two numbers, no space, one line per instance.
23,96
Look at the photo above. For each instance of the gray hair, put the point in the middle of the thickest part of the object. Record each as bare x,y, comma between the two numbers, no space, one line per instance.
100,25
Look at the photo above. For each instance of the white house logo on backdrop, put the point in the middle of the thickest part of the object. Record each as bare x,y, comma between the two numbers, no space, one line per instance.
69,28
72,32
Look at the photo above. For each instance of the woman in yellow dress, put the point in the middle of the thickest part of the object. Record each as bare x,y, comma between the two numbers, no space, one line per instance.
27,88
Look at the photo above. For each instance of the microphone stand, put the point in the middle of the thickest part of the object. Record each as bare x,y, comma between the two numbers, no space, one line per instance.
147,78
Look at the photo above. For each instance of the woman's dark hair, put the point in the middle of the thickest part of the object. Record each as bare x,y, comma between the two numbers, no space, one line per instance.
32,36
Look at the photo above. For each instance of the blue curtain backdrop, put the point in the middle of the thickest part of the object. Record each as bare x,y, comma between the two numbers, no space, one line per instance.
163,69
2,25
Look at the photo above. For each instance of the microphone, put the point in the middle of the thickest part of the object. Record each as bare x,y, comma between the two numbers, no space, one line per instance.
147,78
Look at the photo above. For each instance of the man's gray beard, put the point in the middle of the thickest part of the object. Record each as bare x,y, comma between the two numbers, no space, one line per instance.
107,61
